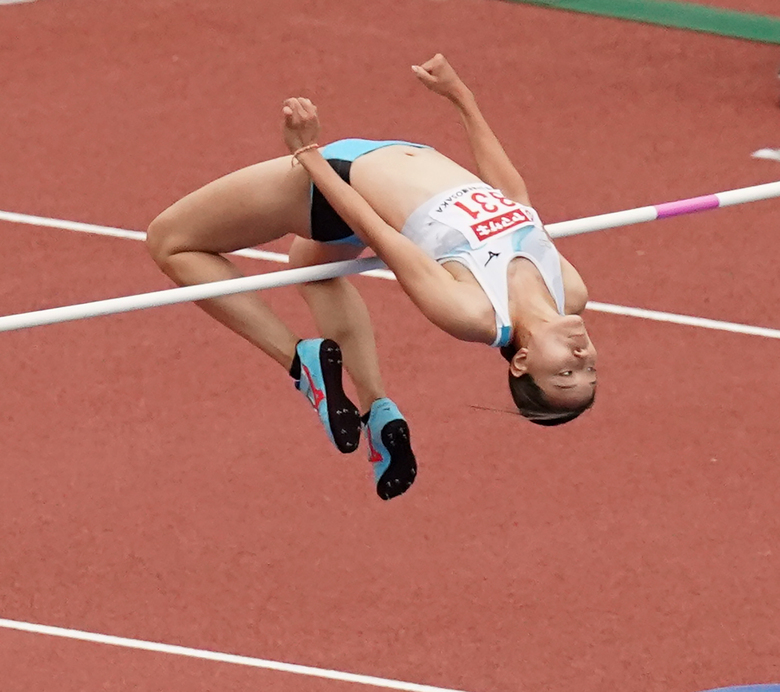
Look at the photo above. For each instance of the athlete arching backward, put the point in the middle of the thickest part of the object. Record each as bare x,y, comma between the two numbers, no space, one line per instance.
393,186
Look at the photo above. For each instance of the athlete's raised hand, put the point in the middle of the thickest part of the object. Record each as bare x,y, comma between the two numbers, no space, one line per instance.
439,76
301,124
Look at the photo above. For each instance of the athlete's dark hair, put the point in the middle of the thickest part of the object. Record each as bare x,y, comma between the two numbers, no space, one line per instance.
531,401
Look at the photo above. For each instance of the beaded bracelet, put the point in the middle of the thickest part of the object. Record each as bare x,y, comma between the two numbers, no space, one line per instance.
297,152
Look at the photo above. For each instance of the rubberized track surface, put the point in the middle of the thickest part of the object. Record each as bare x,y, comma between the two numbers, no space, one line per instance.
161,480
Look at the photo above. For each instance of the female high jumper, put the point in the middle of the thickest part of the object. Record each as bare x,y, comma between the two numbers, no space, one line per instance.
468,250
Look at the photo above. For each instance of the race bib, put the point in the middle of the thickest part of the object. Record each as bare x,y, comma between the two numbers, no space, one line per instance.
481,213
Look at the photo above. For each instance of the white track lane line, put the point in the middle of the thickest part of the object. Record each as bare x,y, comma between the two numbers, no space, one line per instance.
655,315
206,655
770,154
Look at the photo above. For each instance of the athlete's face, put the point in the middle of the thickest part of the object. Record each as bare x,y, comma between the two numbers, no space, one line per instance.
562,360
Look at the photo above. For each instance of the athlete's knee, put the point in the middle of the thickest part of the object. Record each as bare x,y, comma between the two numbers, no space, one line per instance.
303,252
161,238
308,253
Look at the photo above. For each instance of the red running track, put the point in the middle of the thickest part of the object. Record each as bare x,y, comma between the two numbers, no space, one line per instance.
161,480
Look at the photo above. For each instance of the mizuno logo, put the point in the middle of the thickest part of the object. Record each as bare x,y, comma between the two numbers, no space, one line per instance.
373,456
491,255
317,395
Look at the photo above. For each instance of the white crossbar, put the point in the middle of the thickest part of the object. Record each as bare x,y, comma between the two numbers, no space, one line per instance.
328,271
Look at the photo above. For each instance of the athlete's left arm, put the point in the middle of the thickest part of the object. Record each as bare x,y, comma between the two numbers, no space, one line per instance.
494,165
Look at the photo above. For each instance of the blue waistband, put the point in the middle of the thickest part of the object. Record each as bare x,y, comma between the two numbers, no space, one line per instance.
351,149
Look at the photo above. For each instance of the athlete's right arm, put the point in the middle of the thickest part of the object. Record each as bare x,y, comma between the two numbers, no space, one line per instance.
493,163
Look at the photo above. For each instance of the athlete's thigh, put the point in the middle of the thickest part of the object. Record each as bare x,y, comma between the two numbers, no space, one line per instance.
251,206
305,252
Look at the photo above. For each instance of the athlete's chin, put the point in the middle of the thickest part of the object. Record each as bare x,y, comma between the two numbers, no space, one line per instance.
573,322
572,327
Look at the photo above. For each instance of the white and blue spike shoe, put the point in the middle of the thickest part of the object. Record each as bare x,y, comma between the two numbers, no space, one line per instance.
320,382
389,449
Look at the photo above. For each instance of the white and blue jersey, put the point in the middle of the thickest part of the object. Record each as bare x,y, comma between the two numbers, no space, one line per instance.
484,231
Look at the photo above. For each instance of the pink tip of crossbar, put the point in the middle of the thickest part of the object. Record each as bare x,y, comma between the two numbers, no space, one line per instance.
686,206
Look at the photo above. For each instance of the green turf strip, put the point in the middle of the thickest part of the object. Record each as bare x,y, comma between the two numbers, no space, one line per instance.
680,15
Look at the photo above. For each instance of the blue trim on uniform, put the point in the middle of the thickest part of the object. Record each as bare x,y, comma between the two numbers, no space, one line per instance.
519,236
352,149
350,240
504,337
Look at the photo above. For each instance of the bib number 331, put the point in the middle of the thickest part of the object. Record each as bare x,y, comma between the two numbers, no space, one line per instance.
482,214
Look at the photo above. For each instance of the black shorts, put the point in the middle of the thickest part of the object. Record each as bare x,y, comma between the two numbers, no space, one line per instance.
326,225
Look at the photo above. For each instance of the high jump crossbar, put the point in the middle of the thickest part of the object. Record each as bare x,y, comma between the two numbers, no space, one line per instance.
289,277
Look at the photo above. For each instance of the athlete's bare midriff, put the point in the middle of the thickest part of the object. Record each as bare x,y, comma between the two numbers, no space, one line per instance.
395,180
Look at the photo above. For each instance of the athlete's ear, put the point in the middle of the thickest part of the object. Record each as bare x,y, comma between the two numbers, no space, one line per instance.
518,366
